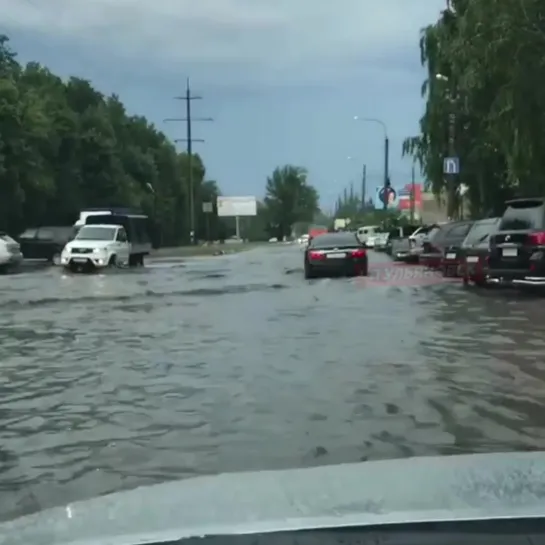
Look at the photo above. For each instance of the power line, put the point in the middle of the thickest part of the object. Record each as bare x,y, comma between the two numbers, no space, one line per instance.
189,98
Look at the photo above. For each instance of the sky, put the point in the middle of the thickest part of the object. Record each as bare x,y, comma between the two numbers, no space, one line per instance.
282,79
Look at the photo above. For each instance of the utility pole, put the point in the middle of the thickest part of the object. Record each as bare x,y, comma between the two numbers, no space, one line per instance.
413,191
386,171
188,97
386,187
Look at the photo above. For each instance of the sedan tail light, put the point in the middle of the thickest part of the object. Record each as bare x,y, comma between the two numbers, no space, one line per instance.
316,255
358,253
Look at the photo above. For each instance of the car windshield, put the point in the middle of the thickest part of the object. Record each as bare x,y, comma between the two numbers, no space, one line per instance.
185,331
96,233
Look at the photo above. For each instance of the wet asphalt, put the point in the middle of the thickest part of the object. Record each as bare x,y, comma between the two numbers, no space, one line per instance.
186,367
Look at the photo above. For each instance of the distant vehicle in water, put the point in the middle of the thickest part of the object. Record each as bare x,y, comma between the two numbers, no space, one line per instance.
475,251
366,232
336,254
381,241
399,242
45,242
95,247
517,249
10,252
137,228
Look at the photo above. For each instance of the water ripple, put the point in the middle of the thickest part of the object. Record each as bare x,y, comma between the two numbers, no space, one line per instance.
238,363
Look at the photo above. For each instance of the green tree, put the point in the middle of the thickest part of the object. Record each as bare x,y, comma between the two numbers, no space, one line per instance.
289,199
65,146
492,54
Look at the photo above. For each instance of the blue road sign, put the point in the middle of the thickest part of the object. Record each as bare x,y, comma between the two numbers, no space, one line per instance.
451,165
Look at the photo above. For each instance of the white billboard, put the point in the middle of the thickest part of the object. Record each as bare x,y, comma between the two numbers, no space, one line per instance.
232,207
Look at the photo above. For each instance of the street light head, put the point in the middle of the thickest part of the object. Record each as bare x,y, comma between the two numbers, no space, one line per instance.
441,77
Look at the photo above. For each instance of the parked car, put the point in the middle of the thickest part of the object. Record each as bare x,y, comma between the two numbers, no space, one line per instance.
409,249
10,253
366,232
45,242
451,245
400,248
380,242
474,252
336,254
416,241
448,236
398,245
517,249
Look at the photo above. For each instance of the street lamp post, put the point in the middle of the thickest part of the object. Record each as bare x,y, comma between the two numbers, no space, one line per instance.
386,154
451,177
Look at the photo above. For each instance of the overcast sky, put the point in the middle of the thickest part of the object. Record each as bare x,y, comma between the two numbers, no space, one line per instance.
283,79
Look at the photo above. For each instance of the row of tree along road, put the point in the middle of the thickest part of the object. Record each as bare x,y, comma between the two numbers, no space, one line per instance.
485,102
65,147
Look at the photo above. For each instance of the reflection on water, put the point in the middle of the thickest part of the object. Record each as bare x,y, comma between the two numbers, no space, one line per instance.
235,363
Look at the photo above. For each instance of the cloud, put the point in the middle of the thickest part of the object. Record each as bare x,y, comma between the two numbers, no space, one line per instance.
268,37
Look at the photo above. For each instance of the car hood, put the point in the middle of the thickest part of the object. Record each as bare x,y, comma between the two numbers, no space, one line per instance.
464,487
89,244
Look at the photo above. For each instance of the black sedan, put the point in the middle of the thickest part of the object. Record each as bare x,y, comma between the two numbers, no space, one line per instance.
336,254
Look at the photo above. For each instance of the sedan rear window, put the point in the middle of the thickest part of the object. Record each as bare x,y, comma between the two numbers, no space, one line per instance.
335,241
523,215
480,231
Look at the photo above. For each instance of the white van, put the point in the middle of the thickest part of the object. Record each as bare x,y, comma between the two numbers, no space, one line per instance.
367,233
96,247
137,229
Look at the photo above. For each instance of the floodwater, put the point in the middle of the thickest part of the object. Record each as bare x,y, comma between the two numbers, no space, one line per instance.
236,362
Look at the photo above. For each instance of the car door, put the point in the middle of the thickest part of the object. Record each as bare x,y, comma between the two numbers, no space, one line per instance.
123,246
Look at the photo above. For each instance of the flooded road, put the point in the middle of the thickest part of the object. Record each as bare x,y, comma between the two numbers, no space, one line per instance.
237,363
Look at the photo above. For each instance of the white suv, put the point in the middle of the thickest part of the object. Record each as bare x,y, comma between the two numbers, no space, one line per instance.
96,247
10,252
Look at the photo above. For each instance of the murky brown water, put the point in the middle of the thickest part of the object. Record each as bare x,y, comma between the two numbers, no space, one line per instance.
235,363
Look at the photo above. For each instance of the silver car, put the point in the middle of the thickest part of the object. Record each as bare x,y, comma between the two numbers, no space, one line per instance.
10,252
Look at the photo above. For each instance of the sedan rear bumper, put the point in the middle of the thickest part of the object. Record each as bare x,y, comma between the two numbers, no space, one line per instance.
342,267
